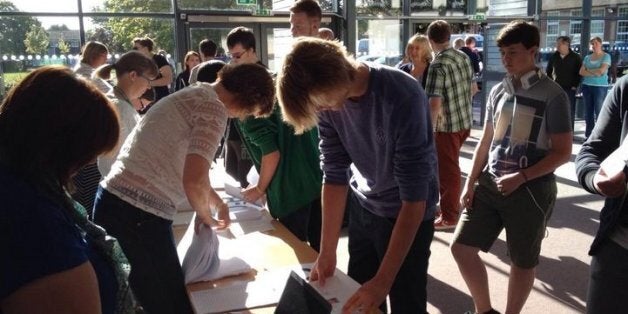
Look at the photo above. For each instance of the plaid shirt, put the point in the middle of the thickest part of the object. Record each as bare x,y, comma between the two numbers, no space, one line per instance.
450,77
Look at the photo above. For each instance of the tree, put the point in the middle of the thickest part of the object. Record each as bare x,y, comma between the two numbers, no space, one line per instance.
37,40
14,29
123,30
63,46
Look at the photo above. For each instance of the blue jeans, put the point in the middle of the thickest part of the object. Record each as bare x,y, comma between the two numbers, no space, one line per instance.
593,97
305,223
609,277
156,277
369,235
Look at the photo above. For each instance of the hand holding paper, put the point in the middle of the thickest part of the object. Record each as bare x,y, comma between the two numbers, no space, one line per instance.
610,179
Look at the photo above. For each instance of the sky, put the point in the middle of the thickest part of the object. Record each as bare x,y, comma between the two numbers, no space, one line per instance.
56,6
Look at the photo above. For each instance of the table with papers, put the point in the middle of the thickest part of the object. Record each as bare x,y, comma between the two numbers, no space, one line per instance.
257,253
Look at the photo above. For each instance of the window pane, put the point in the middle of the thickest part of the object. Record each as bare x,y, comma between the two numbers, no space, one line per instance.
117,33
30,42
379,7
46,6
440,7
379,41
326,5
135,6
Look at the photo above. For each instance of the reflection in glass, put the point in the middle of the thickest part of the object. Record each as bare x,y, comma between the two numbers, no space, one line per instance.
117,33
135,6
379,7
39,6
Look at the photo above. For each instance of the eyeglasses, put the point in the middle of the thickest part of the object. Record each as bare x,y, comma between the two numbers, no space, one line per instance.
147,79
236,55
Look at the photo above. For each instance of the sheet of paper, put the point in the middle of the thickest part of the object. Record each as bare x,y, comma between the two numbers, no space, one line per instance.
337,290
265,290
236,191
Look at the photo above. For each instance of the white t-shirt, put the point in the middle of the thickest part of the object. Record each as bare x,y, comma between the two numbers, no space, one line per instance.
128,120
148,172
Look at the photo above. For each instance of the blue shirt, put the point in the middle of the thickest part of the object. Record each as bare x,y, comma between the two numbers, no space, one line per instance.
593,65
39,239
385,139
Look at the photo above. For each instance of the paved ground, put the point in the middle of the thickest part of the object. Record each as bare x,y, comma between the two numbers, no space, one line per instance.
562,275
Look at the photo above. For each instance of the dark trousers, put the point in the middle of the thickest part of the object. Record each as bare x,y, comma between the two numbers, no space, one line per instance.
305,223
608,284
369,235
237,161
156,277
571,94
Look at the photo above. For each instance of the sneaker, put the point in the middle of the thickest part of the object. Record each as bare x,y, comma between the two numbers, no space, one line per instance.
442,224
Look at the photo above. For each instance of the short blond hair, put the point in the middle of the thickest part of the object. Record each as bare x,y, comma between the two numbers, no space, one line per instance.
423,42
313,67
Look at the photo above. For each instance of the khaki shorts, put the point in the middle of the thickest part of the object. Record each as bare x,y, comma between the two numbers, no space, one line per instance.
524,215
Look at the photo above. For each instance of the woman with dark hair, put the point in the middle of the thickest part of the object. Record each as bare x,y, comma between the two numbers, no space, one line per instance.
594,72
161,85
51,124
192,59
165,162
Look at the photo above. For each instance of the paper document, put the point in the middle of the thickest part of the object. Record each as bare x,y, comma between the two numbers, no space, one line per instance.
265,290
236,191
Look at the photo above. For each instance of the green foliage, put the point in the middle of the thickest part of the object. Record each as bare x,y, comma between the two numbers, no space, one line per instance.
37,40
13,30
117,33
63,46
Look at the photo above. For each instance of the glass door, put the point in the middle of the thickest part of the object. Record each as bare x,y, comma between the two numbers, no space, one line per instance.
218,33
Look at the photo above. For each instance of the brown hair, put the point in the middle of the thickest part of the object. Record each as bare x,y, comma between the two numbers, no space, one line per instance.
314,66
92,50
518,31
311,8
128,62
251,85
145,42
53,123
439,31
189,55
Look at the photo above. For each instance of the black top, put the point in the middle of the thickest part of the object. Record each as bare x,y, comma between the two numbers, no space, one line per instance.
160,91
610,130
475,58
183,80
565,71
407,67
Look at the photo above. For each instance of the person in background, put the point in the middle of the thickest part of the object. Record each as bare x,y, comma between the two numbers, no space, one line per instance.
305,18
51,124
134,72
601,169
192,59
326,33
458,43
93,55
164,162
449,87
373,123
594,72
564,67
526,137
288,164
419,55
207,49
161,85
471,52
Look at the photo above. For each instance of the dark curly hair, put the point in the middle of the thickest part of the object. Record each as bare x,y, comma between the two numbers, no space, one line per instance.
252,86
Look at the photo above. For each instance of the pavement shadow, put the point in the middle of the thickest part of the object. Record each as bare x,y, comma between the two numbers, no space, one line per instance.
447,299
